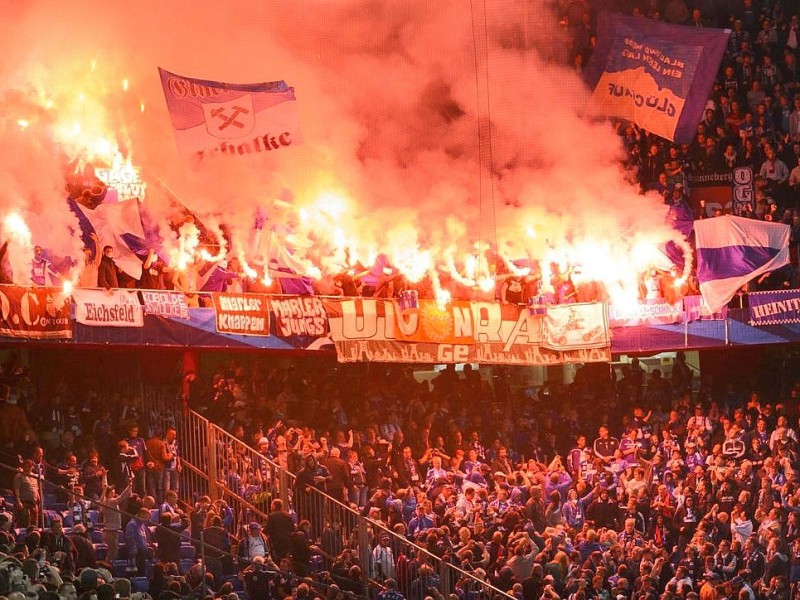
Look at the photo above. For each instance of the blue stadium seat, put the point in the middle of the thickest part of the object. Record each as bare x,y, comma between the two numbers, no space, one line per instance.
119,568
188,552
100,551
96,536
185,565
140,584
94,517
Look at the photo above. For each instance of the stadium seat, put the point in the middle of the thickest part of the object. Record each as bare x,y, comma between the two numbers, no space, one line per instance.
119,568
96,536
140,584
94,517
50,500
100,551
188,552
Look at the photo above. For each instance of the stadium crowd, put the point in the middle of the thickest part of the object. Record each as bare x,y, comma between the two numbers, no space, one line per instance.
635,486
632,487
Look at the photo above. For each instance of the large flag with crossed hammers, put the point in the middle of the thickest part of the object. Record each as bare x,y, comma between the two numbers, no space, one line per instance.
212,119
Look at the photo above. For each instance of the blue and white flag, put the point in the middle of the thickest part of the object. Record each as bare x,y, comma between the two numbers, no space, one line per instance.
212,118
731,251
119,225
655,74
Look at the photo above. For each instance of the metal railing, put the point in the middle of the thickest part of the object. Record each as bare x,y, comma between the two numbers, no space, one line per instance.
221,466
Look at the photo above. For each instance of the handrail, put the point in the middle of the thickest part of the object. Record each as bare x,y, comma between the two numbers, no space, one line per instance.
158,526
420,550
229,492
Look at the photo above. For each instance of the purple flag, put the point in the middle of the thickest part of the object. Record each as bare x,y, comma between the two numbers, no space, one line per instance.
657,75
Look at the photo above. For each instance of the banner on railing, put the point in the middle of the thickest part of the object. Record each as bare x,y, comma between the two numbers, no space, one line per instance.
165,304
299,315
576,326
34,313
108,308
369,329
242,314
635,315
695,309
774,308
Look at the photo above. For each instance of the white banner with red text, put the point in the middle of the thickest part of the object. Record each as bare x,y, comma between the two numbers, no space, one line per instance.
108,308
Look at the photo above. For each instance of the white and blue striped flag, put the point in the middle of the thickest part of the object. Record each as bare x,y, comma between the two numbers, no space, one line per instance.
732,250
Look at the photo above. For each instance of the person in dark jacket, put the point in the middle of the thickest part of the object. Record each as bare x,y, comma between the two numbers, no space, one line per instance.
85,555
279,528
168,539
108,270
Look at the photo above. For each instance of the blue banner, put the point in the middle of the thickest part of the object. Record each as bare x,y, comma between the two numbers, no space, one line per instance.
774,308
657,75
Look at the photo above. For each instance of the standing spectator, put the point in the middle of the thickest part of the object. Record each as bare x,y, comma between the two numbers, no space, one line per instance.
108,271
111,511
279,528
254,544
358,480
41,268
157,458
172,467
137,464
91,265
93,477
137,542
339,472
26,495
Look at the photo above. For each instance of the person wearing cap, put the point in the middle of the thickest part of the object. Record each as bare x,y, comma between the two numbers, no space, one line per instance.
383,561
137,538
253,544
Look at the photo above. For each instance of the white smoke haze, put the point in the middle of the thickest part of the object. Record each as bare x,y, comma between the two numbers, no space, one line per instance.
390,95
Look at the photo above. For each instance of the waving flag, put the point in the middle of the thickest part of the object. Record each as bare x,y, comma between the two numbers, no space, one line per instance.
211,118
119,225
731,251
655,74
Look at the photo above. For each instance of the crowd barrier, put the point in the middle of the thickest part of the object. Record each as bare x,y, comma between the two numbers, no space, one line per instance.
212,456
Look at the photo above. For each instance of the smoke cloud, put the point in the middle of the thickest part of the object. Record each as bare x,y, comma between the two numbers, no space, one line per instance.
441,126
